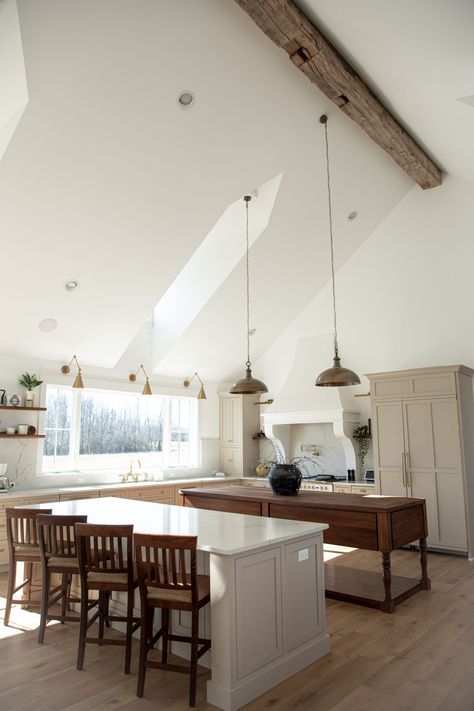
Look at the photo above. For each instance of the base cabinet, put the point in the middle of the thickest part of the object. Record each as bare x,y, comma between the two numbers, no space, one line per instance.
419,449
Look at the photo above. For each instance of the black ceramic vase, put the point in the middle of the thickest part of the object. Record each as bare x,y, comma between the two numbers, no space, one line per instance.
285,479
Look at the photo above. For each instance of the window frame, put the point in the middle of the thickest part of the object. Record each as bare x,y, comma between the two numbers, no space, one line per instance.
148,459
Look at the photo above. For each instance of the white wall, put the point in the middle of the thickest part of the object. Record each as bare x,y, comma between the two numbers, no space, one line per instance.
23,455
404,299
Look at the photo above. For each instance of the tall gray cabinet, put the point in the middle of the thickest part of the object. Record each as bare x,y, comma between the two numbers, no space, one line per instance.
423,432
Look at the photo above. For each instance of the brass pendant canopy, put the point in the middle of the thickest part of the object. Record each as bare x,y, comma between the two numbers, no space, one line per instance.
337,376
248,385
78,382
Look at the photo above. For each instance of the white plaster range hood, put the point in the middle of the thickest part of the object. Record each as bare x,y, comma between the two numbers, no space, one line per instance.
301,402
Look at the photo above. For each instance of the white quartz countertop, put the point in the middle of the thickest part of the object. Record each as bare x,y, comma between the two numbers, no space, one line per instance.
17,492
217,532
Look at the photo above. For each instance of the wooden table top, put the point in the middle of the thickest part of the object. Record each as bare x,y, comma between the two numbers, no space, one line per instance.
317,499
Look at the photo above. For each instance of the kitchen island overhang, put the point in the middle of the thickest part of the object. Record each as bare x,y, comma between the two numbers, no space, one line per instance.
267,611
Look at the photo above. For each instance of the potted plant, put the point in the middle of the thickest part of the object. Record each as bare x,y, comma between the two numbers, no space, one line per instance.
30,382
363,436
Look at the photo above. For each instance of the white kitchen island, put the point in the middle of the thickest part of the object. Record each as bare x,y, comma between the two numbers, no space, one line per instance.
267,614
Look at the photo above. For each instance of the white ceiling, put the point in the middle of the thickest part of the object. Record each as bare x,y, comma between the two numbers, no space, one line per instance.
108,181
418,56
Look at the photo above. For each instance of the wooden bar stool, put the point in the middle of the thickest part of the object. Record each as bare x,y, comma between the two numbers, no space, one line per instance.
58,549
23,547
166,583
106,565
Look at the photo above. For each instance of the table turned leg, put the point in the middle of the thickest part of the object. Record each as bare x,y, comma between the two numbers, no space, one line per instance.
388,604
425,581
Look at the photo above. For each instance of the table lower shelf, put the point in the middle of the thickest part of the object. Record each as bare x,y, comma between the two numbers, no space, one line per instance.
364,587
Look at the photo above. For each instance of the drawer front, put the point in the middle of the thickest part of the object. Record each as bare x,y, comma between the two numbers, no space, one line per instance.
252,508
342,488
81,495
151,493
362,490
346,528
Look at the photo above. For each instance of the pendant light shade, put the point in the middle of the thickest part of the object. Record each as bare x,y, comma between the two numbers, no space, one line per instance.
337,376
78,382
248,385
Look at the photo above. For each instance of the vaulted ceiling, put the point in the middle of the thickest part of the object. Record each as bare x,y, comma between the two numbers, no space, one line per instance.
108,181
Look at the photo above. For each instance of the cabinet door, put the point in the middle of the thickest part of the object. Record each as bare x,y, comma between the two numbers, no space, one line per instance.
230,411
389,448
225,420
231,461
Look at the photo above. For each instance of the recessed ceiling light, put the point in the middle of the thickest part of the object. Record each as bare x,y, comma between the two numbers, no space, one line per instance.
186,99
352,215
47,325
71,284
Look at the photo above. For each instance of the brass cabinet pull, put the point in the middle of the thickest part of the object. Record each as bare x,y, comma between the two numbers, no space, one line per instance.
404,482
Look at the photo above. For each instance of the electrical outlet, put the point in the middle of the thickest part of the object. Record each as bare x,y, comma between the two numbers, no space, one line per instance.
303,554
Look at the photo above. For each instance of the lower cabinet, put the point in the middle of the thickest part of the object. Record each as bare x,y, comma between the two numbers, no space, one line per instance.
231,460
156,494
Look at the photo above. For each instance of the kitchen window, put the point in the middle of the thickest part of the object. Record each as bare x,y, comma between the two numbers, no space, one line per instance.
104,429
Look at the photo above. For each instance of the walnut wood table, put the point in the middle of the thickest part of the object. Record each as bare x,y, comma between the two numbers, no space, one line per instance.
378,523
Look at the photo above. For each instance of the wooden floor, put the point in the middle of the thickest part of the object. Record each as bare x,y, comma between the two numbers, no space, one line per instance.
421,657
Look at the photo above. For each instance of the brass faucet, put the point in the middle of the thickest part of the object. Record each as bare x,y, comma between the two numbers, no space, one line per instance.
133,475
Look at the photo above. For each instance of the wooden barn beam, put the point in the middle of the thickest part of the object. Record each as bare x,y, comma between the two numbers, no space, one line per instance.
286,25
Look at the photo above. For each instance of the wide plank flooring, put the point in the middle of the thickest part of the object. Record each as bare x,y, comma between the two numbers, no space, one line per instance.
421,657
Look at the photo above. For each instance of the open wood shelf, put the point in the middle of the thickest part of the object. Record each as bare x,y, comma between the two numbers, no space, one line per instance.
25,409
15,436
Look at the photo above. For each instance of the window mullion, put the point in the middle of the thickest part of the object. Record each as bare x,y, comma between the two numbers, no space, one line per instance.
75,428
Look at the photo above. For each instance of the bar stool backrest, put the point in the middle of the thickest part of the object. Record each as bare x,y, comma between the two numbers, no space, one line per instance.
166,562
22,532
56,535
105,548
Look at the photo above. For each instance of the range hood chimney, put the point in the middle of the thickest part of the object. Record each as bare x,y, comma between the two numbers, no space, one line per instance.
300,402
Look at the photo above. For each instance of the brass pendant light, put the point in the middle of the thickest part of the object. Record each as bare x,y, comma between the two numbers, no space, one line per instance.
248,385
78,382
337,376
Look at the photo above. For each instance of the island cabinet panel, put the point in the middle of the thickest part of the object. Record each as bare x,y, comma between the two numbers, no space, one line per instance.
258,610
302,599
354,528
252,508
406,524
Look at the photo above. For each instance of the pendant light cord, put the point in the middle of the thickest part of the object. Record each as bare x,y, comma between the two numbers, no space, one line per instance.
323,120
247,199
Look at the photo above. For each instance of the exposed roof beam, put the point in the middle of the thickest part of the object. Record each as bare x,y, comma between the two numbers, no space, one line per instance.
285,24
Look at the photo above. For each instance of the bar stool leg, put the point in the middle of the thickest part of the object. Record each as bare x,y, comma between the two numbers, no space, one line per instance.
28,578
144,637
10,591
82,627
102,612
44,605
194,657
64,596
165,620
128,633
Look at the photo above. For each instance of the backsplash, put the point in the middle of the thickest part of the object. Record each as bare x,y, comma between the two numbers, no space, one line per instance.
331,459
